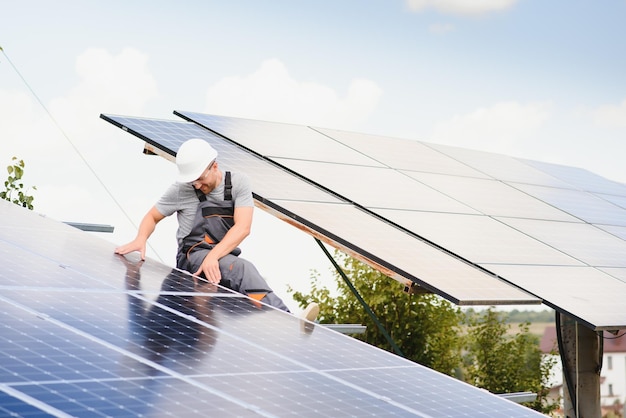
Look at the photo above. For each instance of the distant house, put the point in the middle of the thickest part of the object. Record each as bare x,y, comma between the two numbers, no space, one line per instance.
612,376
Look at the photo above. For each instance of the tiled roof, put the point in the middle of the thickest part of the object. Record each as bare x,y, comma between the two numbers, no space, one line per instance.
612,343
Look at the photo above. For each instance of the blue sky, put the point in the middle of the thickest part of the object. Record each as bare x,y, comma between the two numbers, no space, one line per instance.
528,78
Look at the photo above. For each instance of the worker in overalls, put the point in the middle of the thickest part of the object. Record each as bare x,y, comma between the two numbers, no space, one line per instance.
214,210
222,220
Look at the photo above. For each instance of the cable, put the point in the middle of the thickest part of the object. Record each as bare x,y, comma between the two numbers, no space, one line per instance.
613,338
74,147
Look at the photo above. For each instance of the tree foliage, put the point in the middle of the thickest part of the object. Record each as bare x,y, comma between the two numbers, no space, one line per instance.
14,187
431,331
425,327
504,363
517,316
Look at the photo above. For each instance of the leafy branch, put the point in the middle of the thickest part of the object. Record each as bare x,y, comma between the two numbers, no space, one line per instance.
14,187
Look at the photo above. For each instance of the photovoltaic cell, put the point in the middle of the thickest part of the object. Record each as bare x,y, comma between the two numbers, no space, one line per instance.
142,339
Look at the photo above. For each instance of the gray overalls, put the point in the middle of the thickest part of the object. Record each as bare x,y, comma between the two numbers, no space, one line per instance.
212,222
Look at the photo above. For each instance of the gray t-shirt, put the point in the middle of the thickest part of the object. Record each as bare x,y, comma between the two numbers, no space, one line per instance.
181,198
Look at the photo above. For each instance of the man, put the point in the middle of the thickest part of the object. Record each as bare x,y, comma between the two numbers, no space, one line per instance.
214,211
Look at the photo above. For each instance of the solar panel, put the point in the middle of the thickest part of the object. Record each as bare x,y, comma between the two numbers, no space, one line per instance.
355,183
480,238
400,154
585,242
506,215
501,167
334,219
386,245
580,178
618,231
492,197
267,180
583,205
288,141
590,293
86,332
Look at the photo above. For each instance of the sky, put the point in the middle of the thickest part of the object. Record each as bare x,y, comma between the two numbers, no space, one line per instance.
526,78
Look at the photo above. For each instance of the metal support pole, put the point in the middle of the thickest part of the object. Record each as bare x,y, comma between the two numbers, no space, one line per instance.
581,357
369,311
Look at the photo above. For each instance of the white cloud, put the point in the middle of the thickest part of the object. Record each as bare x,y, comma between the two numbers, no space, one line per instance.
441,28
17,110
270,93
61,158
461,7
499,128
120,82
611,115
107,83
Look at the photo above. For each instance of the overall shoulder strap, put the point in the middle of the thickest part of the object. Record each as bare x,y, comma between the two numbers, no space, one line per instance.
201,196
228,187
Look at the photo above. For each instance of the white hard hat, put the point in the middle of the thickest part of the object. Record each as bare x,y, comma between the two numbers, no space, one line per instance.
193,157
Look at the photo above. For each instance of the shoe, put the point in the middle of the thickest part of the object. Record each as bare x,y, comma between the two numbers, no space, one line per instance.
308,316
310,312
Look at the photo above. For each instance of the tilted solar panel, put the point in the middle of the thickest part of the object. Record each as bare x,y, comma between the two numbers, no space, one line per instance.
86,332
334,219
554,231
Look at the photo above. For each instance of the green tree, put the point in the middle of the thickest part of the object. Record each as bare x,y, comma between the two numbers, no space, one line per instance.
14,187
504,363
424,326
515,315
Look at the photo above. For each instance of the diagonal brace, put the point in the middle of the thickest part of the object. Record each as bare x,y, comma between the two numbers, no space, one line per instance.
369,311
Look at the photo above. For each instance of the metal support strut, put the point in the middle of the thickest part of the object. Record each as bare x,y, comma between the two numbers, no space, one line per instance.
369,311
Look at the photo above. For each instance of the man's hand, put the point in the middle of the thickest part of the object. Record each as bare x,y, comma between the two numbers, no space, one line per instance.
146,228
134,245
211,268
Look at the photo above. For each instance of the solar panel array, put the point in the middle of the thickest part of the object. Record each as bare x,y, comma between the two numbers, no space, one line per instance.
474,227
557,232
332,218
86,332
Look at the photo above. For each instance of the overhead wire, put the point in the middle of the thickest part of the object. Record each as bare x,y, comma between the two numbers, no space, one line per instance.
82,157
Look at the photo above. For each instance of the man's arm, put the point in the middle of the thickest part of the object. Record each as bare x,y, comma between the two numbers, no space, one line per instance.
235,235
146,228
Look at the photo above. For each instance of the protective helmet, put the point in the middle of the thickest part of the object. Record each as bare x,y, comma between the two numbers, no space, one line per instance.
193,157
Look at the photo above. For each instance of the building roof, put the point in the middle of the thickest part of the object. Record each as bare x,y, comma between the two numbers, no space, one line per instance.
612,343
